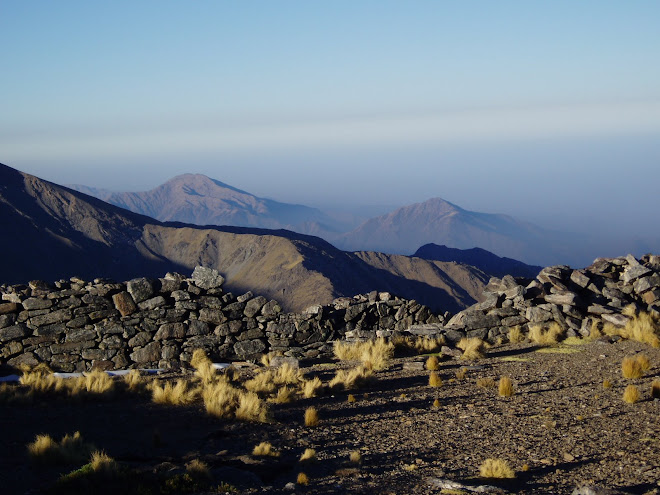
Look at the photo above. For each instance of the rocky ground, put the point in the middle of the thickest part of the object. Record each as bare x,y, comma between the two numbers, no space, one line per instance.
560,430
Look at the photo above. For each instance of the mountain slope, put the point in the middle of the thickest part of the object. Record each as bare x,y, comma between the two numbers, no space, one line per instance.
484,260
440,222
54,232
199,200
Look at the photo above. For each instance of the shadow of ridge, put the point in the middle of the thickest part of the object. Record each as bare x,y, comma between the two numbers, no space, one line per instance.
512,352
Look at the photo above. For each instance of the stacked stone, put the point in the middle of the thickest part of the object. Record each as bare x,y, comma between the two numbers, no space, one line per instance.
75,325
574,299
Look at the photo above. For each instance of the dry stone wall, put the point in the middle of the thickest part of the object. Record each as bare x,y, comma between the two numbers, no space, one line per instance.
73,325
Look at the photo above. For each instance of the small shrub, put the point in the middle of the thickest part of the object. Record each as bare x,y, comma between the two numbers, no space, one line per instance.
546,336
287,375
308,456
643,361
204,369
631,368
70,449
351,398
284,395
486,382
473,348
198,469
515,334
432,363
461,373
435,380
134,382
655,389
311,417
262,383
220,399
607,383
631,394
496,468
179,394
642,327
102,463
505,387
355,457
265,449
436,404
425,345
302,479
374,354
312,388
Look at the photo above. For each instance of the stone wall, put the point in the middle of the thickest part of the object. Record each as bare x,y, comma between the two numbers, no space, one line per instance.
74,325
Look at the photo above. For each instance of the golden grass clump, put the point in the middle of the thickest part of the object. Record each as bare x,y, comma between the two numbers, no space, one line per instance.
642,327
204,369
546,336
432,363
284,395
308,456
496,468
267,359
311,417
70,449
312,388
607,383
262,383
353,378
486,383
631,368
97,382
198,469
436,404
374,354
631,394
643,361
287,375
265,449
473,348
461,373
102,463
251,408
134,382
351,398
424,345
505,387
302,479
178,394
355,457
655,389
220,399
435,380
515,334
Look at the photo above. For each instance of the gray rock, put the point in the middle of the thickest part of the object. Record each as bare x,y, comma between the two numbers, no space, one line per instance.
25,359
37,303
563,297
278,361
213,316
245,297
171,331
58,316
425,329
151,352
207,278
537,315
14,332
152,303
248,348
197,327
616,319
598,309
271,308
596,490
634,272
7,320
579,278
140,289
10,307
253,306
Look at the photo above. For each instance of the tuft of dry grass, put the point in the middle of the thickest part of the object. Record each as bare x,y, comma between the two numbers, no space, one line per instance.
312,388
642,327
284,395
473,348
631,368
607,383
425,345
251,408
496,468
541,335
198,469
515,334
265,449
631,394
102,463
643,361
351,398
505,387
266,359
262,383
432,363
70,449
287,375
374,354
302,479
353,378
436,403
308,456
355,457
311,417
220,399
486,383
435,380
655,389
179,394
204,369
461,373
134,382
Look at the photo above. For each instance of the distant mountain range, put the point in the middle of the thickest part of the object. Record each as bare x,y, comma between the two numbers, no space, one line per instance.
199,200
480,258
52,232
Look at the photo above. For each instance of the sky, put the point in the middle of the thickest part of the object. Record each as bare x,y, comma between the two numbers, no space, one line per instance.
547,111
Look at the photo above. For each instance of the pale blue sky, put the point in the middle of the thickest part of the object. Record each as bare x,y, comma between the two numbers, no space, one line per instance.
549,111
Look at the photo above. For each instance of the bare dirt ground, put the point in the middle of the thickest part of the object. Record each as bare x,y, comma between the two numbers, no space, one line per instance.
560,430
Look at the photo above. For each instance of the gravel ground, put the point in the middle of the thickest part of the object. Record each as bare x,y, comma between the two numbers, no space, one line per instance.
561,429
